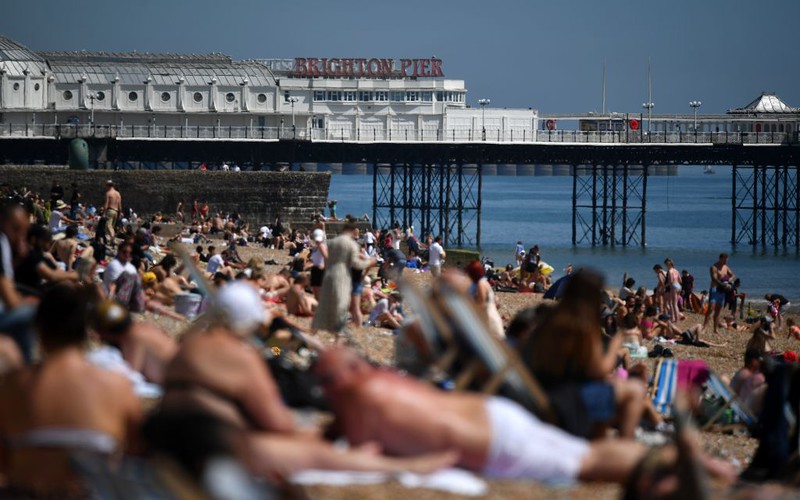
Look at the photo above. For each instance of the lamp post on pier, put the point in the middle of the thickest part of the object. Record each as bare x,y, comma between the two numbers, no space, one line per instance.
694,105
649,107
292,100
483,103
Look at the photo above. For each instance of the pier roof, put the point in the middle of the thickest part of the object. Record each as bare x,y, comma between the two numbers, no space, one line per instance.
15,59
161,69
767,103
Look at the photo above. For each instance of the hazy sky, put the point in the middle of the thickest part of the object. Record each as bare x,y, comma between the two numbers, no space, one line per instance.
523,53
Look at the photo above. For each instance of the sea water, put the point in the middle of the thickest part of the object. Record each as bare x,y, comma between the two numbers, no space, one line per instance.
688,220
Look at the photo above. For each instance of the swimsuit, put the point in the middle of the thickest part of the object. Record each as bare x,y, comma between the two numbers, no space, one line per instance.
523,447
65,437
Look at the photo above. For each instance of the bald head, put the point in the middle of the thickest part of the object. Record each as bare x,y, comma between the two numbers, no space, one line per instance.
339,368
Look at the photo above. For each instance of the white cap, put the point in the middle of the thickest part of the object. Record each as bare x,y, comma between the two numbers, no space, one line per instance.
318,235
243,307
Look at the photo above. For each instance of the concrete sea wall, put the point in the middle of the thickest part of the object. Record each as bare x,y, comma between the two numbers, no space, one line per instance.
258,196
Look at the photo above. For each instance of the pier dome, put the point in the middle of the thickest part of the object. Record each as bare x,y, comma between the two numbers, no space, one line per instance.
767,103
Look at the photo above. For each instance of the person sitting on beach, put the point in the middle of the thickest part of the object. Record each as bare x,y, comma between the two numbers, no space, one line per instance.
493,435
386,313
777,305
734,298
482,294
39,268
216,263
65,250
627,288
59,221
749,382
762,334
648,323
16,310
792,330
566,354
169,281
62,405
145,346
298,301
278,285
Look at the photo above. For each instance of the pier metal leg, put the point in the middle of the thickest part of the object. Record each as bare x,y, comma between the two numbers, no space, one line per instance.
615,197
443,199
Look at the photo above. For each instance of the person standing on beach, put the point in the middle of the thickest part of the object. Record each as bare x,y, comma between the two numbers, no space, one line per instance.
519,253
672,291
436,255
345,262
721,279
112,209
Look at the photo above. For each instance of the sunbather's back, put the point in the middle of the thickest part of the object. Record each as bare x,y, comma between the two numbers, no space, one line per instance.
62,406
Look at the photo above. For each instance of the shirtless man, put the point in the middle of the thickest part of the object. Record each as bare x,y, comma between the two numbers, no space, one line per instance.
112,209
64,249
298,301
721,278
219,372
61,404
493,435
146,347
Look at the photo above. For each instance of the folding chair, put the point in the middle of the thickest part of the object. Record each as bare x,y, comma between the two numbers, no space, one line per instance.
665,386
455,334
732,401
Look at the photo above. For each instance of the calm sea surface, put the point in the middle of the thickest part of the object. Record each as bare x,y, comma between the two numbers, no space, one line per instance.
688,220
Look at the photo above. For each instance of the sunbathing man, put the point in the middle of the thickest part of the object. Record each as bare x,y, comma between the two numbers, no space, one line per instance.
493,435
298,301
220,373
65,403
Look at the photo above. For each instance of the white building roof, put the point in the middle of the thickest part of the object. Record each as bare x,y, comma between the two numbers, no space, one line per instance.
162,69
767,102
15,59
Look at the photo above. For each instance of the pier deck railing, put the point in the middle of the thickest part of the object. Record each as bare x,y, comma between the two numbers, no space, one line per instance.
366,135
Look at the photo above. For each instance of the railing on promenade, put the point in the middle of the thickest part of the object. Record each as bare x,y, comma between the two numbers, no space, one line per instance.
374,134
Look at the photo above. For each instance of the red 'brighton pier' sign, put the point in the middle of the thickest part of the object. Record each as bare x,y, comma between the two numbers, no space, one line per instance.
370,68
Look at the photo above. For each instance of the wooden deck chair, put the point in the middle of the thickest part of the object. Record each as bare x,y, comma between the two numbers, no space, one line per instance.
480,350
720,389
431,337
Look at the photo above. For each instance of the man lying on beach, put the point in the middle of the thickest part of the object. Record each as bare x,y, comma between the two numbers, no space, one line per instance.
219,372
493,435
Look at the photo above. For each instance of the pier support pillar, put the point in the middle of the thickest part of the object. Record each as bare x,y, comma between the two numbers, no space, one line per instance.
439,199
765,203
609,205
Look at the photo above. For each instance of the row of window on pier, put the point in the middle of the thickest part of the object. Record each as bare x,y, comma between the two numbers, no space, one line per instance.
386,96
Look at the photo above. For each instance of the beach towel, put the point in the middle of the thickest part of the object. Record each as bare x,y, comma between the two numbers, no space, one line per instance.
456,481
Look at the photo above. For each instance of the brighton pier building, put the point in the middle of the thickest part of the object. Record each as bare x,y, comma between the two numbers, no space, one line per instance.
212,95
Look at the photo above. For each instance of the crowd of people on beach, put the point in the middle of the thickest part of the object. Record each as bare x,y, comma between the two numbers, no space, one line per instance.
224,397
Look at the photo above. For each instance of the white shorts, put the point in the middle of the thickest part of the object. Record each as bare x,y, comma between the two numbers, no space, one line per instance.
523,447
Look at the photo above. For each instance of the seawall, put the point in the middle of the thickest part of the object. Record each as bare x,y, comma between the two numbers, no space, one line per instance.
258,196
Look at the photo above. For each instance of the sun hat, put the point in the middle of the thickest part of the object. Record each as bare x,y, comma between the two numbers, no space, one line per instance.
60,204
149,278
240,302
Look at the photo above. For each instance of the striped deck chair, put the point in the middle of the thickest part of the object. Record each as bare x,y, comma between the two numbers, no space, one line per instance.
719,388
665,385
